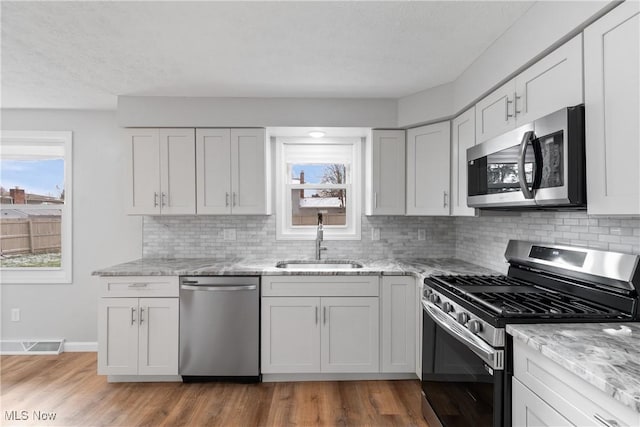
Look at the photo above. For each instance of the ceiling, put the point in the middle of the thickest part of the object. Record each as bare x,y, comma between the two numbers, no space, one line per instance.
84,54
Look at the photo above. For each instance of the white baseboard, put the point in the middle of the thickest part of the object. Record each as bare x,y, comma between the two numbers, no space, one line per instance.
80,346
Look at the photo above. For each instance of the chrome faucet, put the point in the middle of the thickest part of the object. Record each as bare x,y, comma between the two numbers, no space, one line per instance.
319,238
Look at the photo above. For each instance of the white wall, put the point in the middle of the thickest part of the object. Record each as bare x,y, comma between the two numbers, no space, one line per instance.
150,111
544,26
102,234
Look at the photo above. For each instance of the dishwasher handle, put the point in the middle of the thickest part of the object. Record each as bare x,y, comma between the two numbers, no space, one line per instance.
219,288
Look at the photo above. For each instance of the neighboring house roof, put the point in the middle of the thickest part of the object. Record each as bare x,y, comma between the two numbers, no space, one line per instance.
11,213
320,202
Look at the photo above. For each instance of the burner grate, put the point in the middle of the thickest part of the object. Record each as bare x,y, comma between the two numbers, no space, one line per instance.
511,297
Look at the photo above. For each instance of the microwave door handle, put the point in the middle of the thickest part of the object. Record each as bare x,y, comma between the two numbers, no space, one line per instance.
522,176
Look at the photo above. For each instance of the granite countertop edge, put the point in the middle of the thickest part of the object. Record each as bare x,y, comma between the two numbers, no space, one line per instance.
417,267
586,350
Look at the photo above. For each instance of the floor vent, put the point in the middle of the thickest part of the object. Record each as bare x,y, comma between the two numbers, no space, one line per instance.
17,347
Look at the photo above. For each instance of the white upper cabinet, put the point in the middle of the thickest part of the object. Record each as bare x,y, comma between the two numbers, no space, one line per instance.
611,112
386,173
213,155
552,83
463,136
161,173
232,171
428,150
249,188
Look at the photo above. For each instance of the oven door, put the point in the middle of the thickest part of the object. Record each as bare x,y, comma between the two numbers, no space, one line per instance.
462,377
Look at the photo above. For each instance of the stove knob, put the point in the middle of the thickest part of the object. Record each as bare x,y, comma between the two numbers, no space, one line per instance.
463,318
447,307
475,326
434,298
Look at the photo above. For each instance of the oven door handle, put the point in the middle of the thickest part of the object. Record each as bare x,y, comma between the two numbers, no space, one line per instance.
492,357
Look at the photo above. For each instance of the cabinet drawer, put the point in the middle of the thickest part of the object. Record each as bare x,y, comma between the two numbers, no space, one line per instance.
139,286
320,286
574,398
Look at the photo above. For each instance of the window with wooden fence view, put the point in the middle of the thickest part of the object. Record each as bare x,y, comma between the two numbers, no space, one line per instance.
32,191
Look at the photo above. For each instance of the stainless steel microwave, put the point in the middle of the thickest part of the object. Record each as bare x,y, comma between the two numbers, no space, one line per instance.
538,165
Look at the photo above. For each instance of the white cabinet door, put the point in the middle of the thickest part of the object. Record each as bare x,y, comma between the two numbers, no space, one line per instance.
248,179
528,410
398,322
463,136
290,335
143,172
550,84
177,172
213,154
118,336
494,113
386,162
612,110
350,340
158,336
428,150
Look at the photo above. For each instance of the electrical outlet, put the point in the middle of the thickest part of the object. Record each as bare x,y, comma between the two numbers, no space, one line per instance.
422,234
375,234
229,234
15,314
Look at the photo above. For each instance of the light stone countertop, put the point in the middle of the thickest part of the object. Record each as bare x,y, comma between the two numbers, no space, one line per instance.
266,267
610,362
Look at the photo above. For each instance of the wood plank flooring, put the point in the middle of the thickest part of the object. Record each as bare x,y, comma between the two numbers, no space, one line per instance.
68,386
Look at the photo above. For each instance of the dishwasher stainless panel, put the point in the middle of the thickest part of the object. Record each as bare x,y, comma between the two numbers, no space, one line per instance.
220,328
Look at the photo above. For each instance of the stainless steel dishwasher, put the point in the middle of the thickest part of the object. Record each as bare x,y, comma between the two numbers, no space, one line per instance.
220,328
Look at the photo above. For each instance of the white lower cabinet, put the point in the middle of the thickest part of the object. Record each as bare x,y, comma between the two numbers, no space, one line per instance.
319,334
547,394
529,410
138,335
320,324
290,334
398,320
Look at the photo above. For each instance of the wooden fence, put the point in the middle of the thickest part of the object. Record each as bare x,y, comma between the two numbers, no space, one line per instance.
34,235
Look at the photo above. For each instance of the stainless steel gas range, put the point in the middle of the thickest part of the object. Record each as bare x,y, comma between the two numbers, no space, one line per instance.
467,361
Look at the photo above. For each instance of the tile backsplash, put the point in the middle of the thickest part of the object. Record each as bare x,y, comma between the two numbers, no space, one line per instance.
482,240
203,237
479,240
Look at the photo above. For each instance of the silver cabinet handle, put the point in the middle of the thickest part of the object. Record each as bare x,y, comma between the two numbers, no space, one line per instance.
234,198
164,199
316,314
375,199
155,199
324,315
141,315
606,422
138,285
515,105
444,199
133,315
226,202
506,110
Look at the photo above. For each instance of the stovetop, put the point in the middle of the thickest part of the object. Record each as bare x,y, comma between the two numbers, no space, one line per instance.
509,297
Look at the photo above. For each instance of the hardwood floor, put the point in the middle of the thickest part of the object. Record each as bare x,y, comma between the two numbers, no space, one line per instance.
68,386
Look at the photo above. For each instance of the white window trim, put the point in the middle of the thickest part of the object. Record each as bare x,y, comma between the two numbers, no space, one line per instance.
285,231
64,274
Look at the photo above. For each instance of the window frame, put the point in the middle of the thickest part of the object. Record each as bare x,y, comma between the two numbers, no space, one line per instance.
285,230
40,275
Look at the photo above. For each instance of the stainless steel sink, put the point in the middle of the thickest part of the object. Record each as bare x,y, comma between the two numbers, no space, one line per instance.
318,265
